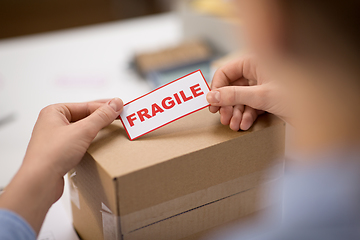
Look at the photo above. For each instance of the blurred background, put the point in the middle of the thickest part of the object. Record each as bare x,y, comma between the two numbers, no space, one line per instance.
207,28
22,17
81,50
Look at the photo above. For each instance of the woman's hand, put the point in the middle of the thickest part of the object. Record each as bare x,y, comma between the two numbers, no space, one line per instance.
60,138
241,91
63,132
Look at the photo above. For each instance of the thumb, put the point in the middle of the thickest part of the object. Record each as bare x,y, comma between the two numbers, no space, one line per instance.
237,95
104,115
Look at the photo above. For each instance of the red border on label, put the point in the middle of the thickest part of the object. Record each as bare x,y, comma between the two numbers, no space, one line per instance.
171,120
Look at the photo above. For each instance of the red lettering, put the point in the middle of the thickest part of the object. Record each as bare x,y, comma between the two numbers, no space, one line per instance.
182,94
195,90
166,103
156,109
143,113
169,104
177,98
131,118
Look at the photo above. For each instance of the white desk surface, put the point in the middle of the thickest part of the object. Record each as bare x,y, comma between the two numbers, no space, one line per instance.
74,65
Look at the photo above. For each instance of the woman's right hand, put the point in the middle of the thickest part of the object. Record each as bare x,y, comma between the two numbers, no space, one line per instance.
241,91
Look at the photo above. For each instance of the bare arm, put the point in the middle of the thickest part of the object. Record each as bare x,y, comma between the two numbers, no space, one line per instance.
60,138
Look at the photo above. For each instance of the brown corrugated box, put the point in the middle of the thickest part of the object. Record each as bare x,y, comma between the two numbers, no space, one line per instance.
174,183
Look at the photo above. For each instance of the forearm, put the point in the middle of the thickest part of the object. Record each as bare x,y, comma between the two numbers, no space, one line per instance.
60,138
30,194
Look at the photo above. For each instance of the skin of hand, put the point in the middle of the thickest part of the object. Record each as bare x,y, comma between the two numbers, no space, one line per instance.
61,136
241,91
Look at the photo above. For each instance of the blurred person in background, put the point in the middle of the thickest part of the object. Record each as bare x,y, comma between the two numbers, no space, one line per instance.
304,68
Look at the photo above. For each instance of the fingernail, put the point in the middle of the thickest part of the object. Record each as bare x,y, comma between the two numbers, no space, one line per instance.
246,126
116,104
213,97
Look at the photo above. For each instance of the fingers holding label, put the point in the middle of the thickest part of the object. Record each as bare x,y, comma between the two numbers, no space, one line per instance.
237,95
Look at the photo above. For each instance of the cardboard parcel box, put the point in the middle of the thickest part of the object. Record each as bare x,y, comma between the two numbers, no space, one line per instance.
187,177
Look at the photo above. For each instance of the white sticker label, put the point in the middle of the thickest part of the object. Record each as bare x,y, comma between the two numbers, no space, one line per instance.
165,105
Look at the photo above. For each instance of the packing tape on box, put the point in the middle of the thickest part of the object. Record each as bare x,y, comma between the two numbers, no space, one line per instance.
179,207
110,223
74,192
184,204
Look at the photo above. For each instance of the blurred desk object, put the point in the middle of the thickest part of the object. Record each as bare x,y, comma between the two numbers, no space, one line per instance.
209,28
74,65
213,21
168,64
